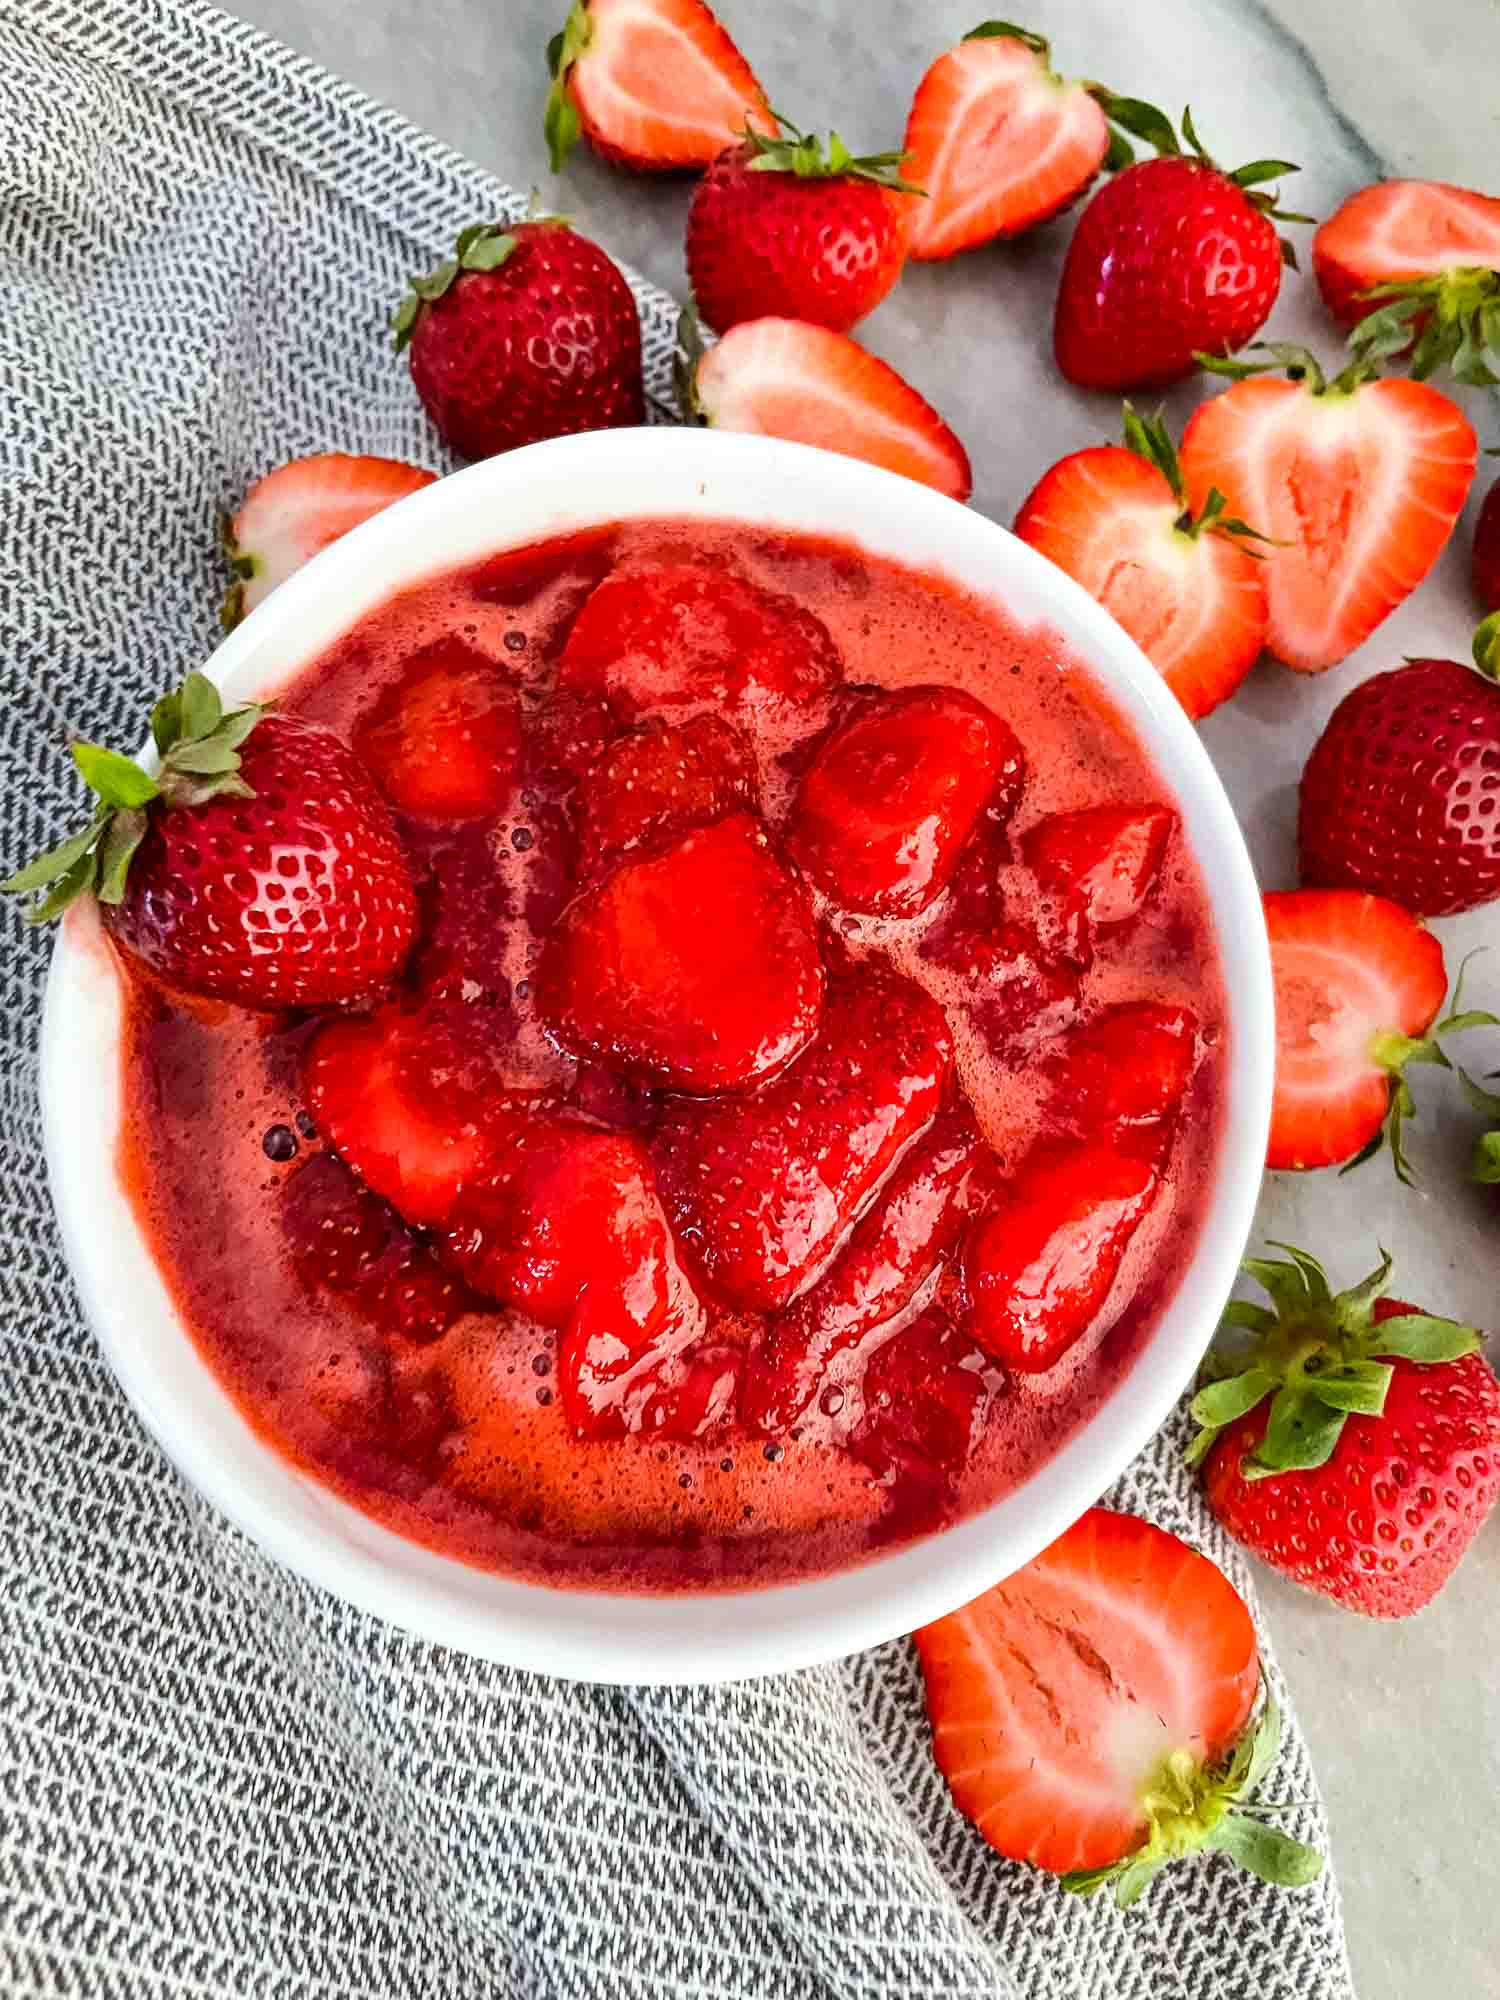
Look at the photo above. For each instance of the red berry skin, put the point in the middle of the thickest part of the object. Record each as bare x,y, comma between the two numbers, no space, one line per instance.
1168,257
299,897
1381,1527
1401,795
1487,551
546,344
780,245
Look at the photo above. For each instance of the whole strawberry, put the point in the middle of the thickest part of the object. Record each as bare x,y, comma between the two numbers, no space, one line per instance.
526,332
1401,795
1358,1451
1486,553
1170,257
259,865
779,229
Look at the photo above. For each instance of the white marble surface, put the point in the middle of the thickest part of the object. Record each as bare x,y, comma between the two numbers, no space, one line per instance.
1405,1720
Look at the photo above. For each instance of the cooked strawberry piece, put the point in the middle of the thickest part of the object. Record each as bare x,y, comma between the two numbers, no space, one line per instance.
697,968
1097,1688
445,742
1358,1450
464,906
998,140
1130,1065
790,379
415,1099
778,227
527,331
1188,590
883,813
1359,483
682,635
1401,795
344,1239
563,1207
658,783
651,84
676,1395
760,1188
565,740
896,1246
1397,231
1040,1267
292,513
927,1393
1355,975
1109,855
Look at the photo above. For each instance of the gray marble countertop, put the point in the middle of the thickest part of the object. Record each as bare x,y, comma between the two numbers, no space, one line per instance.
1404,1720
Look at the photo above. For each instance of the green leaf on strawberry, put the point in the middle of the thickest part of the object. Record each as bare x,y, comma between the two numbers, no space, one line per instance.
1448,320
199,748
801,153
1323,1356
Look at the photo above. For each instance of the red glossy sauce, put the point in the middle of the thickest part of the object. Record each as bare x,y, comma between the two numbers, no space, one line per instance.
460,1441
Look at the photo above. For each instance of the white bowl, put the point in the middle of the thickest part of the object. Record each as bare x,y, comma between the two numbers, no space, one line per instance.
527,495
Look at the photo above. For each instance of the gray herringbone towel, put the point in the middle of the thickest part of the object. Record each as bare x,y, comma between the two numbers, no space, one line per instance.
213,1778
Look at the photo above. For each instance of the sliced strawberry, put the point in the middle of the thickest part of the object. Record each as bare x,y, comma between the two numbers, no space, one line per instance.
1396,231
1359,481
1108,855
1082,1708
883,812
1355,976
760,1188
298,509
415,1099
895,1247
697,969
652,85
788,378
1186,588
1040,1267
1130,1065
445,741
927,1393
998,140
655,784
684,635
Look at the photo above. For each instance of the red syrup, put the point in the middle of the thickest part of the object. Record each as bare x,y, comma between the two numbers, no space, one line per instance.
699,1315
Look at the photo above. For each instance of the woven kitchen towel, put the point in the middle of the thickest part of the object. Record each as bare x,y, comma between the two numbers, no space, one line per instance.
214,1779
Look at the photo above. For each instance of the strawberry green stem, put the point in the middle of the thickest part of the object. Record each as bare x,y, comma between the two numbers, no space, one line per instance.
801,153
1450,320
1320,1355
1189,1807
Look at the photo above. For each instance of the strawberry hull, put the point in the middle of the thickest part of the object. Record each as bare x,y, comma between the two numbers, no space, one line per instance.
534,1335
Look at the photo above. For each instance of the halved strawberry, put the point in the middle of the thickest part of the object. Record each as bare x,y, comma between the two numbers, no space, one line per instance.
1417,262
651,84
1090,1712
1359,983
300,508
445,741
416,1100
788,378
1360,482
895,1247
697,968
1039,1268
1130,1065
883,811
683,635
657,783
1185,586
760,1188
1110,856
998,140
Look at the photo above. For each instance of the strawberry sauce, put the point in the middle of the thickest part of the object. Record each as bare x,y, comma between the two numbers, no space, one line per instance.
634,1240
